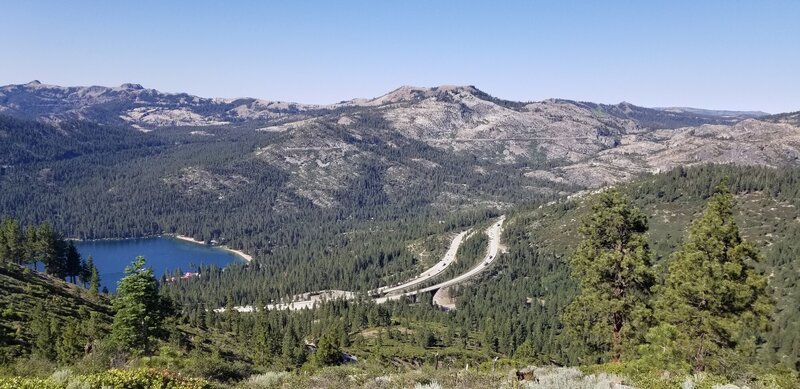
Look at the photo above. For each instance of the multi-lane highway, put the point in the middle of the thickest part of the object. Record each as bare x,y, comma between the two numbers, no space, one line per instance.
388,293
434,271
494,232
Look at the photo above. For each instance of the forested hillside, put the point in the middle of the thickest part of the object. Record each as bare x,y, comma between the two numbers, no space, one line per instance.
219,188
368,193
46,316
514,312
535,277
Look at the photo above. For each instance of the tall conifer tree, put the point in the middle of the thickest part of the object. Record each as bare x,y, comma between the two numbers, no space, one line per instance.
138,309
612,267
73,262
713,295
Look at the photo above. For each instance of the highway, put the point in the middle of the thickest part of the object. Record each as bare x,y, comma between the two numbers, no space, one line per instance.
494,232
435,270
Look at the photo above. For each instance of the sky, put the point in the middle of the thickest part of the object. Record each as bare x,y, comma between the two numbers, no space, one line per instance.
740,55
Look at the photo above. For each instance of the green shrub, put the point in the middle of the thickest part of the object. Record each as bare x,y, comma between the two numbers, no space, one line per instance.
564,377
778,376
118,379
500,365
27,383
216,368
144,379
269,379
33,366
639,376
61,377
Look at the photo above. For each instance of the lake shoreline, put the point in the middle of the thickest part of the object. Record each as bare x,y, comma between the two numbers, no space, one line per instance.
239,253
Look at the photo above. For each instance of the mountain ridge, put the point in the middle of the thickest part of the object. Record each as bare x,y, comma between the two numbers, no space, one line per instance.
555,140
132,104
182,109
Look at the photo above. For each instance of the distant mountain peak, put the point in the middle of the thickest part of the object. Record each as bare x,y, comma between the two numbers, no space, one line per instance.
131,86
458,88
34,83
409,93
714,112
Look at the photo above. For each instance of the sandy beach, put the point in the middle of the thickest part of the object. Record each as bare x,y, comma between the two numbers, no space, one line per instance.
240,253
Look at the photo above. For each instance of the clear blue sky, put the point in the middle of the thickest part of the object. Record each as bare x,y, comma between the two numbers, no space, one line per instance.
709,54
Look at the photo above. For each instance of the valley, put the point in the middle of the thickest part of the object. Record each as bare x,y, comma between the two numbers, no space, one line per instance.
428,221
399,195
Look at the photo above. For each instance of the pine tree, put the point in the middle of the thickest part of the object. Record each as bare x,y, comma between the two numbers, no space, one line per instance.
4,254
94,277
43,340
5,355
210,317
612,267
292,352
31,249
427,339
85,273
327,352
138,309
175,336
69,343
260,338
11,243
230,314
713,295
48,250
525,351
200,318
72,262
92,329
660,352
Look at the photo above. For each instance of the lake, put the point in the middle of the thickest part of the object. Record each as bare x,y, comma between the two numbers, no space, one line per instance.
163,254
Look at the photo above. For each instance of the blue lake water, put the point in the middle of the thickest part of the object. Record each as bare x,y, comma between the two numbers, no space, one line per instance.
163,255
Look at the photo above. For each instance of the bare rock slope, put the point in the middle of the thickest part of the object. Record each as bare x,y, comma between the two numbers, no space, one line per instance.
561,142
578,143
132,104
